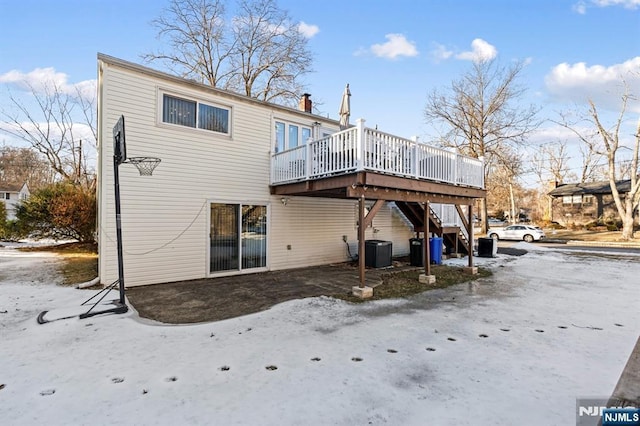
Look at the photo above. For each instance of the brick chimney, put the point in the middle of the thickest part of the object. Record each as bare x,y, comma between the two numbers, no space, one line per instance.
553,184
305,103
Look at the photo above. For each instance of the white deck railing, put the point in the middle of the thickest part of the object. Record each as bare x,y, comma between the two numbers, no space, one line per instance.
360,148
448,215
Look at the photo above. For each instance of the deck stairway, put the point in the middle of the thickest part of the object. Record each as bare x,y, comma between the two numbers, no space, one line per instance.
454,236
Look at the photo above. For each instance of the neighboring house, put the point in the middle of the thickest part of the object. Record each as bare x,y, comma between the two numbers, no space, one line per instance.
247,186
12,195
582,203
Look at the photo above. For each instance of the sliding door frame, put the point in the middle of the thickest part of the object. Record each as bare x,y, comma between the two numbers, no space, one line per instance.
240,270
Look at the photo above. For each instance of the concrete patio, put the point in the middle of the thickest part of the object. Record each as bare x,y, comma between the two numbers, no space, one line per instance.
216,299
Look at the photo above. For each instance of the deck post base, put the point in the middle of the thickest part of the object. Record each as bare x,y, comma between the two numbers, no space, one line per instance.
427,279
362,292
473,270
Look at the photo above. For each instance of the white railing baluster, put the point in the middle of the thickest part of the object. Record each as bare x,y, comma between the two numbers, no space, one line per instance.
359,148
360,144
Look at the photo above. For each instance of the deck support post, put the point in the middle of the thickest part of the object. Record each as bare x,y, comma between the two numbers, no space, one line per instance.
426,278
361,245
361,291
470,269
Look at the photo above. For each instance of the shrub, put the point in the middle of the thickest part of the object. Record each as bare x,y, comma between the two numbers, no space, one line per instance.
612,226
3,216
551,224
9,229
59,211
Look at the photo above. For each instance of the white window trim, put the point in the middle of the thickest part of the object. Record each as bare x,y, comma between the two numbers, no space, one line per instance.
288,123
195,98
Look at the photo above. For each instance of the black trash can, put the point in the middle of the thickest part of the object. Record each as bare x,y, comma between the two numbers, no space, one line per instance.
377,253
416,251
487,247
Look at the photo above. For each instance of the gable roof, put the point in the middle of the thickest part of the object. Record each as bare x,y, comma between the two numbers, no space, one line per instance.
593,188
110,60
11,187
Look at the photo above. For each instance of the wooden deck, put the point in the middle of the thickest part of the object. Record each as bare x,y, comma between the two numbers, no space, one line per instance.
365,164
362,150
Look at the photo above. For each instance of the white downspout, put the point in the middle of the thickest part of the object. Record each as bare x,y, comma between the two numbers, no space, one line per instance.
88,284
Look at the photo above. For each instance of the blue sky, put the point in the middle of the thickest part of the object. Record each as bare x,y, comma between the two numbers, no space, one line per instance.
392,53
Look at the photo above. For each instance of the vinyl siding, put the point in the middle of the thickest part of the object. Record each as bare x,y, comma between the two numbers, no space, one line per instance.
314,228
165,216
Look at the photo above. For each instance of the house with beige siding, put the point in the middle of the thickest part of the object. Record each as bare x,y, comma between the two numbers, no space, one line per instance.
246,186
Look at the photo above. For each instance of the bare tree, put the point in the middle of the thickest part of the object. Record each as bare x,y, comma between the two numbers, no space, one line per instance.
197,47
551,162
611,142
51,129
259,52
504,187
605,141
481,115
24,165
590,169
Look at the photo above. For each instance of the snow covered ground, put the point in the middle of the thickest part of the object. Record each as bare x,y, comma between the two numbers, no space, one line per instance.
514,349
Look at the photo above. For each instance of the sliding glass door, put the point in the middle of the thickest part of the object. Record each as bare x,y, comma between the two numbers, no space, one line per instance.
238,237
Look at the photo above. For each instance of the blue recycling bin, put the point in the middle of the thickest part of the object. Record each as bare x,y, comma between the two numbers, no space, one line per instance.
435,249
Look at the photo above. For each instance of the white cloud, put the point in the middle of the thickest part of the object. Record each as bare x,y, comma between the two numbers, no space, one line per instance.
35,78
440,52
627,4
308,30
480,51
396,45
581,6
604,85
42,79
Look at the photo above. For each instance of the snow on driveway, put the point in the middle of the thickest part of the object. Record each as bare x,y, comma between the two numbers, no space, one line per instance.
516,348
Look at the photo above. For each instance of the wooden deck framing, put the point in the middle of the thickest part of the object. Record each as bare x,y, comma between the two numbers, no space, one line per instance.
366,185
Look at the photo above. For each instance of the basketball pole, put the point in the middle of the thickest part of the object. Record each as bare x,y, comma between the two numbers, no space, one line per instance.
145,166
116,180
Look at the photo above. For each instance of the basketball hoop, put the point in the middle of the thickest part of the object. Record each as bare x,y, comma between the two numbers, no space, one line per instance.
145,165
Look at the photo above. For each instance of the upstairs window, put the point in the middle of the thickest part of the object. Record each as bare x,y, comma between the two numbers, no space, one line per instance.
189,113
289,135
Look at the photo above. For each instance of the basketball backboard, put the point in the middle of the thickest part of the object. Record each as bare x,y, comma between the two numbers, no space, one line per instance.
119,144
